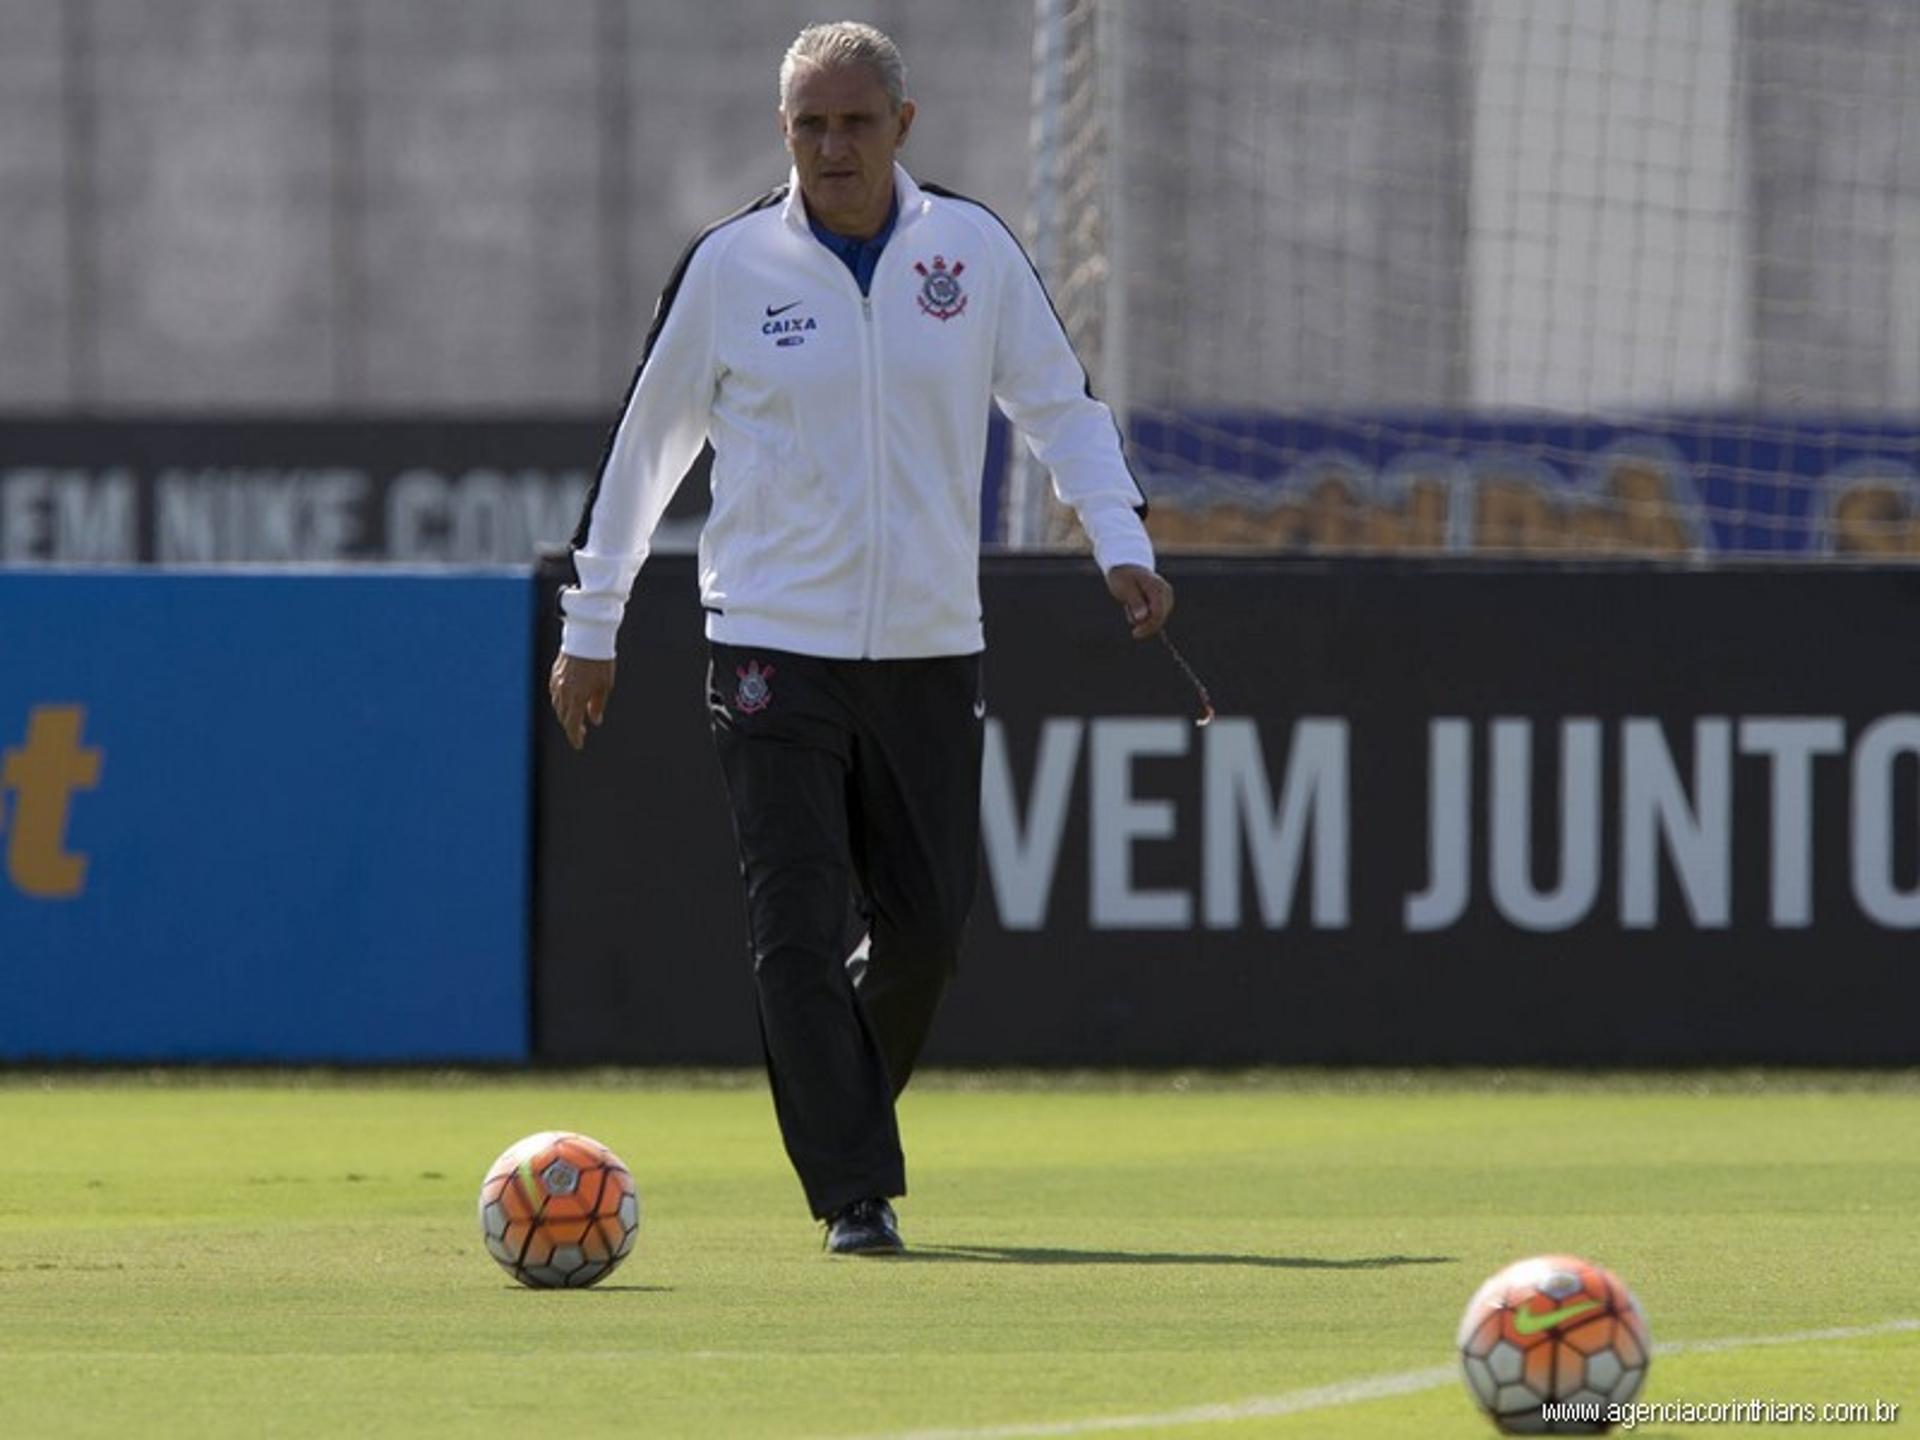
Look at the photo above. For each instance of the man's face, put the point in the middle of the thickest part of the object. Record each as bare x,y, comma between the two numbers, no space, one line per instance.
843,133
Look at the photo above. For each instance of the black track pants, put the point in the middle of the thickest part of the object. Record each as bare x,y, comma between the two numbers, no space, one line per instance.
855,787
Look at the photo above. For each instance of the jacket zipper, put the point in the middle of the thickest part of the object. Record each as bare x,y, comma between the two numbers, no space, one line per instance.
876,491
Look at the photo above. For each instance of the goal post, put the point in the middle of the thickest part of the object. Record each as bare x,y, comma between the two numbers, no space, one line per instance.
1076,91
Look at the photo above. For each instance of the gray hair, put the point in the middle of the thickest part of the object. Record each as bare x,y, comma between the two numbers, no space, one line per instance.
846,42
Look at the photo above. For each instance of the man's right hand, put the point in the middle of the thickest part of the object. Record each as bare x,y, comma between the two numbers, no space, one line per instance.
579,690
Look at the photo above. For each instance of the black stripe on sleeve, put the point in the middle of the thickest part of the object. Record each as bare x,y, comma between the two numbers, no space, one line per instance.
1087,380
660,311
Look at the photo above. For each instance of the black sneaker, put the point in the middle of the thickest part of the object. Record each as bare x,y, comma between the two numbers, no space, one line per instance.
866,1227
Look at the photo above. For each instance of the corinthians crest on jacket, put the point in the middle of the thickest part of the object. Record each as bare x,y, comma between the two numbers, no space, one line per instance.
940,292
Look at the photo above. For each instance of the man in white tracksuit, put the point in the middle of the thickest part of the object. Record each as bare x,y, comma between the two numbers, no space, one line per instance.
839,341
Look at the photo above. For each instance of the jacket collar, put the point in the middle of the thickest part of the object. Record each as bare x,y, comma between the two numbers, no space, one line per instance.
913,201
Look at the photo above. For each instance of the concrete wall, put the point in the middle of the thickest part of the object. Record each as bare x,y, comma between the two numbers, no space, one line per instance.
37,312
317,205
1636,205
1833,108
206,229
1294,204
344,205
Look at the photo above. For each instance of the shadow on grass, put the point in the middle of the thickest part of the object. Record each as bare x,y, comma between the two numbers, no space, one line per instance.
590,1289
1027,1255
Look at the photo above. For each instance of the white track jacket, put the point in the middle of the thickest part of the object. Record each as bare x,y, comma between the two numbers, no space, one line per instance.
848,433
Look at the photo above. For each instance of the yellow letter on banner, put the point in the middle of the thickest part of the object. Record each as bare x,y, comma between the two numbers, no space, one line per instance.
43,774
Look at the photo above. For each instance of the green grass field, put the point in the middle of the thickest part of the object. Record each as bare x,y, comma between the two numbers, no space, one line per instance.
298,1255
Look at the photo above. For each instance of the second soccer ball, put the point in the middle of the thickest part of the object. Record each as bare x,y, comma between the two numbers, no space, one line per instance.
1549,1343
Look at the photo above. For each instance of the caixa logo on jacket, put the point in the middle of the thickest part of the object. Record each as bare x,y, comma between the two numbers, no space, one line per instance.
38,780
785,329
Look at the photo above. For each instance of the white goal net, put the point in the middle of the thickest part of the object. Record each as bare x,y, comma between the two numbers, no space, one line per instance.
1512,276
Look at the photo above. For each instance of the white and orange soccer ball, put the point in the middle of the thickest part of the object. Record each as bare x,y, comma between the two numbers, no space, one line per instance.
558,1210
1553,1329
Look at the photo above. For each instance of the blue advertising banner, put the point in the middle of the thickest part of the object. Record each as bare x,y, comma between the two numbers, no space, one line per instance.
264,816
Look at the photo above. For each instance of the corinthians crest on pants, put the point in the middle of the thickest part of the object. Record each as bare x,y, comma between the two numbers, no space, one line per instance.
940,292
755,692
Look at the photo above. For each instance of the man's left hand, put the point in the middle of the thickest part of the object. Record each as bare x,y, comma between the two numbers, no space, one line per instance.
1147,599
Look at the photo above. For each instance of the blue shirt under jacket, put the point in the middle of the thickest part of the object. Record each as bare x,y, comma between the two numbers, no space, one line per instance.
860,255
